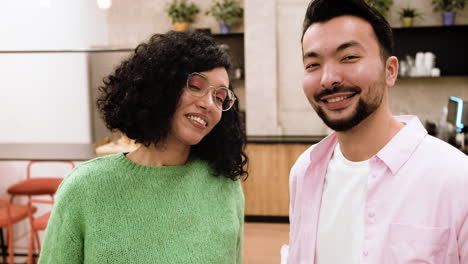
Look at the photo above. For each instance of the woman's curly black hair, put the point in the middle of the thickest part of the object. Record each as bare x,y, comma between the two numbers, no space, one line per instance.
141,96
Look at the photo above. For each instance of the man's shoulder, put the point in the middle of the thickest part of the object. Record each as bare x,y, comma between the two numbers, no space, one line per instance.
439,158
435,149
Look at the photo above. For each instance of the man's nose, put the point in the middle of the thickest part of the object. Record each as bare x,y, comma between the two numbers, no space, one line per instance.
331,77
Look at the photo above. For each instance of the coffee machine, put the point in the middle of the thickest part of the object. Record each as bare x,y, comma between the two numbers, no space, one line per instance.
457,115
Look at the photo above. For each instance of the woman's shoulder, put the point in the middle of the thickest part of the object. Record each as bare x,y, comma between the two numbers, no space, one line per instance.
96,168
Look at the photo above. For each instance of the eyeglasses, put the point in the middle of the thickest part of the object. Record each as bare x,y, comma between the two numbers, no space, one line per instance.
198,86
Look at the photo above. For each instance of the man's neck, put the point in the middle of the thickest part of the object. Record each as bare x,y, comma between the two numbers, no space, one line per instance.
367,138
161,155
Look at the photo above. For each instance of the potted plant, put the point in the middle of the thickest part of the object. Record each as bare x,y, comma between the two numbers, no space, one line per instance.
448,9
182,14
383,6
228,13
407,14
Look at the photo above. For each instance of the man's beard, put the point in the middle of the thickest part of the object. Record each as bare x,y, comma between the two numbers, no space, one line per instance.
362,111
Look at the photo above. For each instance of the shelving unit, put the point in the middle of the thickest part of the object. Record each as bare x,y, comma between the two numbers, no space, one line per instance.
448,43
235,45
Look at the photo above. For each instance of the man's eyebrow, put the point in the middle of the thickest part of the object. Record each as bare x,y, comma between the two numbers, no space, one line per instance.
349,44
310,54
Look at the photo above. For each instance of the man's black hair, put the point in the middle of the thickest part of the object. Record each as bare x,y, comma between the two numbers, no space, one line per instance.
324,10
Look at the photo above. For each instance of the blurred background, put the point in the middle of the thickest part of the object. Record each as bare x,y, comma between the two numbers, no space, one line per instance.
55,53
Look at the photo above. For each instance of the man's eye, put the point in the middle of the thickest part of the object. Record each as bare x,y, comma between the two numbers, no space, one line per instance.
348,58
312,65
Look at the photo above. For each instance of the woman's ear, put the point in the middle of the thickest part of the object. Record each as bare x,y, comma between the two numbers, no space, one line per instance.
391,71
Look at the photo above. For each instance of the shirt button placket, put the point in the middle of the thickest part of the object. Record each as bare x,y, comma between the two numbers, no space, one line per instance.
370,220
371,217
365,254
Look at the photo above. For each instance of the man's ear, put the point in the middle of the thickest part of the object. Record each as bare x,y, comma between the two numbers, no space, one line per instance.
391,71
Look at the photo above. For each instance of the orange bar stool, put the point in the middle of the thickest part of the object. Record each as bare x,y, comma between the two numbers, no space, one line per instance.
33,186
37,186
11,214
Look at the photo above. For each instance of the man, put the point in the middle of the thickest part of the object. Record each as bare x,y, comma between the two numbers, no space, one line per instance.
379,189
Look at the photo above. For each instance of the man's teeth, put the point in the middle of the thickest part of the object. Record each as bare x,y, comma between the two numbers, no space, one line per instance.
197,119
336,99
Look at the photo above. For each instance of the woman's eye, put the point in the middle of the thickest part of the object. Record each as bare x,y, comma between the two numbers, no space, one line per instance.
219,99
221,95
194,87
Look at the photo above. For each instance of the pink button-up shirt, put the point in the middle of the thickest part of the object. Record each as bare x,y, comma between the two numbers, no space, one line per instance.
416,202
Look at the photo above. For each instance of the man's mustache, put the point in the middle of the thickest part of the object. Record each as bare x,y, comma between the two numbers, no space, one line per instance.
337,89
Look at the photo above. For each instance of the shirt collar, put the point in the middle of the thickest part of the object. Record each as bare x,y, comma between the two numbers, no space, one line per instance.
400,148
397,151
324,149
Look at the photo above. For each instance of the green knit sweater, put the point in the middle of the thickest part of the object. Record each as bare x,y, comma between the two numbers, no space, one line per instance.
111,210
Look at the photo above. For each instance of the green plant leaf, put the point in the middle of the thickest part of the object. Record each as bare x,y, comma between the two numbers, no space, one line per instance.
182,11
228,11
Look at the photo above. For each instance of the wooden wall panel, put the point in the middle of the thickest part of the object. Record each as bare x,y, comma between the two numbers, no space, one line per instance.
266,190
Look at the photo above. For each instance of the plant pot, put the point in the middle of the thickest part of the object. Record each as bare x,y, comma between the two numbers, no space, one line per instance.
181,26
448,18
407,21
224,28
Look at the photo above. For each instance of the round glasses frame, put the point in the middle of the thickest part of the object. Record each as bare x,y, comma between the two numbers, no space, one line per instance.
230,94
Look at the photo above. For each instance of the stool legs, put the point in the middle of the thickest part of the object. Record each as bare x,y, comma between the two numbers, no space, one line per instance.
31,247
11,253
3,246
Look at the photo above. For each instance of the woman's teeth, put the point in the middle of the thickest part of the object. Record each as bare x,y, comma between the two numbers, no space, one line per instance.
197,119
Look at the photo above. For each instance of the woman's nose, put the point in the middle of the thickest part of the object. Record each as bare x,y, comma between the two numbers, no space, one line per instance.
206,101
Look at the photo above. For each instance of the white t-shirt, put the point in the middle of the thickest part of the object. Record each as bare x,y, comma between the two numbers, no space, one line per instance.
341,221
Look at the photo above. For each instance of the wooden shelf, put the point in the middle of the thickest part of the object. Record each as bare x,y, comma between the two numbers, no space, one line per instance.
238,35
448,43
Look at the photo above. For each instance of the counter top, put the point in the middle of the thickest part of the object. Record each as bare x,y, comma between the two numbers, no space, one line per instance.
82,152
46,151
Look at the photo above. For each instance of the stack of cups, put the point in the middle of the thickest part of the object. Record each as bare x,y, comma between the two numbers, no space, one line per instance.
429,63
425,65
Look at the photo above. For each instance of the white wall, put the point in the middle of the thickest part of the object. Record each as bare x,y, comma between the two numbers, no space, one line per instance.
51,24
45,96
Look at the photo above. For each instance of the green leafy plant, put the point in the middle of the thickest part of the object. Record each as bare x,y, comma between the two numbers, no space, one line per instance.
409,12
383,6
448,5
182,11
228,11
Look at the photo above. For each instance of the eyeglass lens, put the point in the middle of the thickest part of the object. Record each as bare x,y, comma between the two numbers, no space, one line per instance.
199,86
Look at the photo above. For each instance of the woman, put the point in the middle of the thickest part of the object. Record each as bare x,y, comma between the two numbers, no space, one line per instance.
176,199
